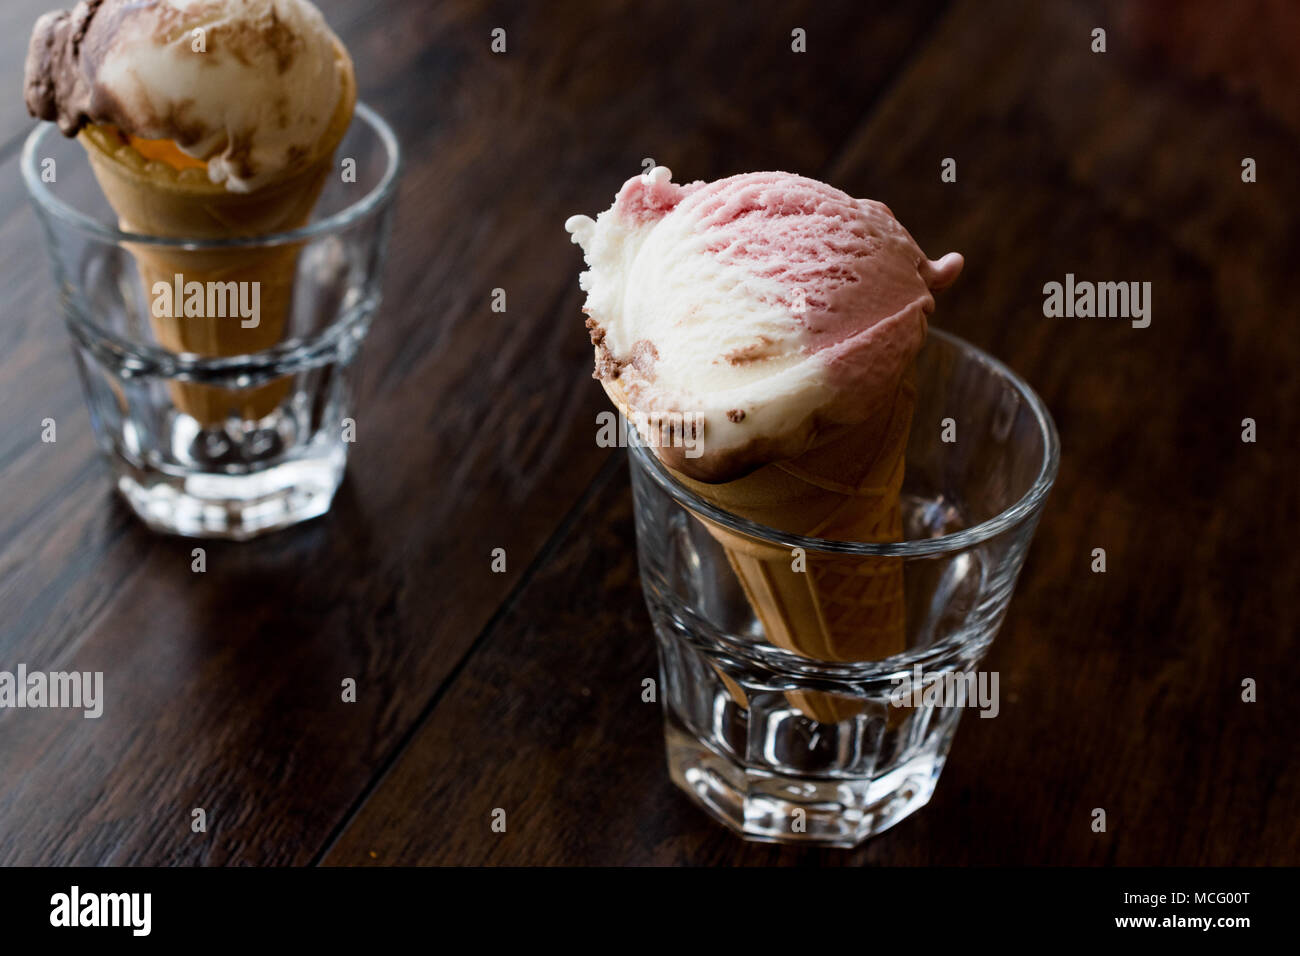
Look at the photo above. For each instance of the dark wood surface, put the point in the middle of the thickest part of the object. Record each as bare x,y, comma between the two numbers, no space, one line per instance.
520,690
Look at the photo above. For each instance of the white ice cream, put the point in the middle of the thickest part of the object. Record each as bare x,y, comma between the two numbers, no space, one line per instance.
259,80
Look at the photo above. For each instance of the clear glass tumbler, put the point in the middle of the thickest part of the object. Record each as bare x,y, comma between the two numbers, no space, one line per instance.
219,373
780,746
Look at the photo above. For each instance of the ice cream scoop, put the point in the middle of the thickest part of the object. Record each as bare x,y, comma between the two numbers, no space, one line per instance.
247,88
774,308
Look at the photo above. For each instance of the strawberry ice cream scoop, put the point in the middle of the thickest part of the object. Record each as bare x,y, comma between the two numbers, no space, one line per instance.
767,310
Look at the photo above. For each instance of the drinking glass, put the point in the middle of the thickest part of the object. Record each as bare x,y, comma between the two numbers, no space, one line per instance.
208,434
780,746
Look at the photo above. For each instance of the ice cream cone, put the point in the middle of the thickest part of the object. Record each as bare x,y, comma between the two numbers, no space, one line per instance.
155,191
823,606
784,316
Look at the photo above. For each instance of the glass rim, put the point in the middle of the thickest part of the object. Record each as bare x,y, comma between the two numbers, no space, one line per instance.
376,198
1011,516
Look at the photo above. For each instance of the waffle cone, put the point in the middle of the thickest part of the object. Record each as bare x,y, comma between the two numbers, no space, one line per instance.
155,198
827,607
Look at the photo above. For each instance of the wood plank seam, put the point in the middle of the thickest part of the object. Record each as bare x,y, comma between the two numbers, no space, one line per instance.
553,544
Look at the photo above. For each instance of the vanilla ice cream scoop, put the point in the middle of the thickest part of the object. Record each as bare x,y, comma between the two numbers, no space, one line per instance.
248,87
771,308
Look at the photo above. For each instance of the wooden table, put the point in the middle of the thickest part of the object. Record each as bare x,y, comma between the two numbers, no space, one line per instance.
520,690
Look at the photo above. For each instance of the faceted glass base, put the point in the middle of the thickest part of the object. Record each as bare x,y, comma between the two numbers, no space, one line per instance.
237,507
774,808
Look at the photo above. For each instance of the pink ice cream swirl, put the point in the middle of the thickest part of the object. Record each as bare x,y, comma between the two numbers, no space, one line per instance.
776,306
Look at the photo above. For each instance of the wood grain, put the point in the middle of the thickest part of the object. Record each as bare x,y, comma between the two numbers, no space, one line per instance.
1120,691
475,429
